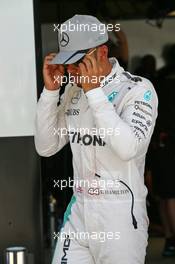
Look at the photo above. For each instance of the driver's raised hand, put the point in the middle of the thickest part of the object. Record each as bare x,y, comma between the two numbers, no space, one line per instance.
52,73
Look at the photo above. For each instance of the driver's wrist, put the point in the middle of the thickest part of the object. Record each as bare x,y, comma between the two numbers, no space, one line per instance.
52,88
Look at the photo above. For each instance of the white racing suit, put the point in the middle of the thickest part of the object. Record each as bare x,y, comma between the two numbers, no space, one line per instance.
106,221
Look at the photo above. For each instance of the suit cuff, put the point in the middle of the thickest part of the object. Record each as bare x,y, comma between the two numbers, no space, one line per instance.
50,96
50,93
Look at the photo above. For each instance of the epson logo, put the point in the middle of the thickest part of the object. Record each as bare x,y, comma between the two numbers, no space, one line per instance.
139,123
87,139
65,249
72,112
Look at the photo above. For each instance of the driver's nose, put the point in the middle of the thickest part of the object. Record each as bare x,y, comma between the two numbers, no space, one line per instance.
70,66
72,69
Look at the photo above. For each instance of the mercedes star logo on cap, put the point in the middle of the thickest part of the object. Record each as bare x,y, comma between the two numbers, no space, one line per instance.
64,39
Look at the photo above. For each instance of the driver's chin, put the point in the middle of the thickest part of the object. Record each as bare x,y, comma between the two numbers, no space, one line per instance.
78,84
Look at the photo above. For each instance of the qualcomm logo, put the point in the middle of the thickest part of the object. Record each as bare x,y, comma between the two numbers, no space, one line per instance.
112,96
147,95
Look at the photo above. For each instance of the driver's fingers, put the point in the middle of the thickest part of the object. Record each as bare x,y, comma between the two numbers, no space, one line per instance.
87,64
49,57
94,63
83,70
51,54
47,61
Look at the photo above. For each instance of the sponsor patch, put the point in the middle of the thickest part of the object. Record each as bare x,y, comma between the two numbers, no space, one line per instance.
112,96
147,95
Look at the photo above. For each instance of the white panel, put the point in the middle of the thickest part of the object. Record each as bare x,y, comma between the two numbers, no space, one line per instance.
18,92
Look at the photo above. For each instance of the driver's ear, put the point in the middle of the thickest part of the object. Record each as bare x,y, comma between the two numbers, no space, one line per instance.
103,52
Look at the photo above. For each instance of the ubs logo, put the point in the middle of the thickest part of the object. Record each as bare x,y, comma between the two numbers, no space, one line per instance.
72,112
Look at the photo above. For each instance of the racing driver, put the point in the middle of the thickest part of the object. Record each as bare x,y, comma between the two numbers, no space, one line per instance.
108,122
